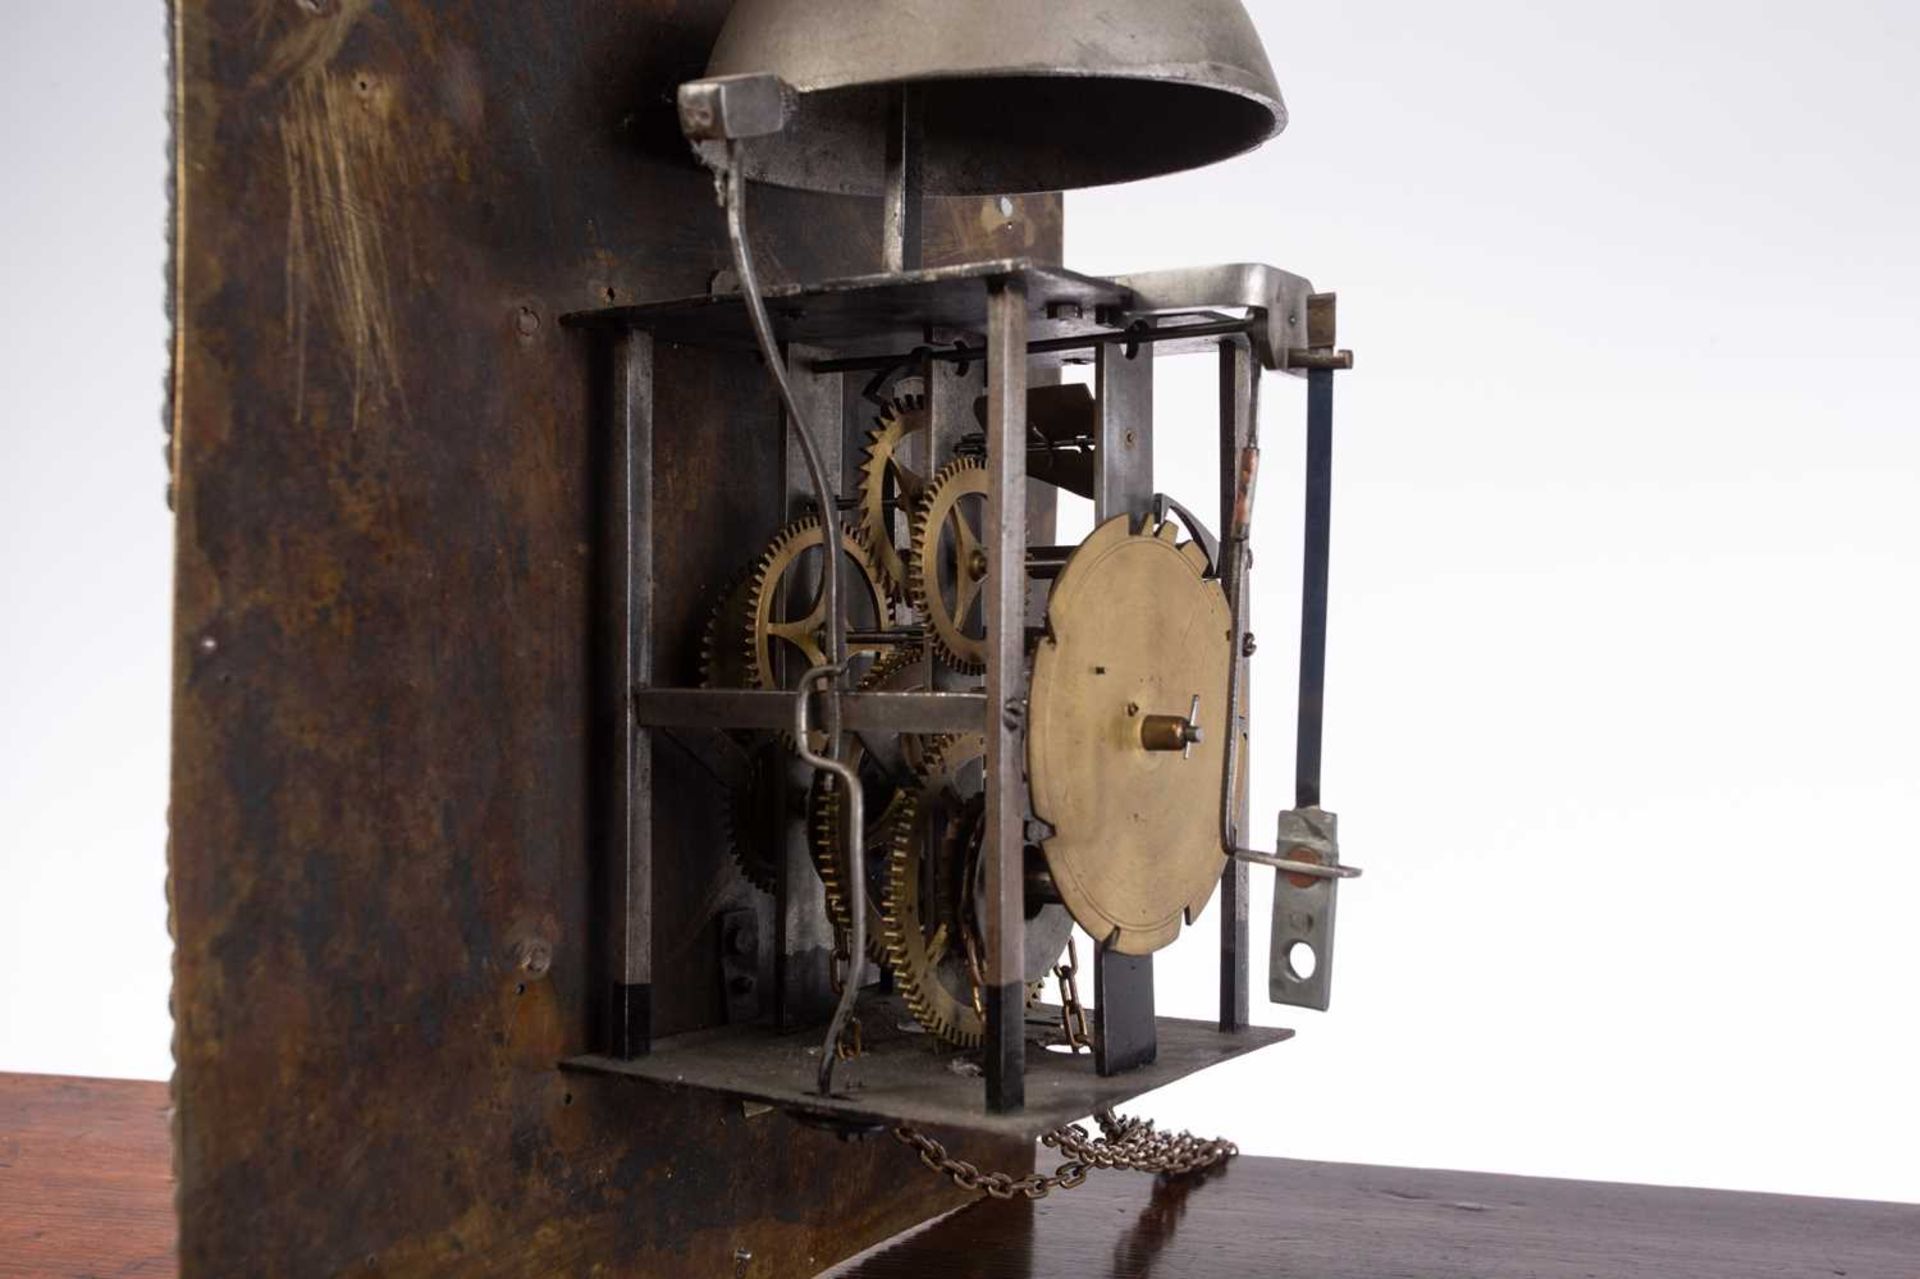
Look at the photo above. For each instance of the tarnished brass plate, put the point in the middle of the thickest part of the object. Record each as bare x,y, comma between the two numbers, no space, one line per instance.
1134,628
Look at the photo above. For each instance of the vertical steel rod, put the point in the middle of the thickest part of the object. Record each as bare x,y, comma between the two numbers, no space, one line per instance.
1123,458
1313,590
900,232
630,824
1238,403
1125,1034
1006,538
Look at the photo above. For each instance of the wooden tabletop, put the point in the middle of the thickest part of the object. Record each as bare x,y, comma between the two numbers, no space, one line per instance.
86,1178
85,1189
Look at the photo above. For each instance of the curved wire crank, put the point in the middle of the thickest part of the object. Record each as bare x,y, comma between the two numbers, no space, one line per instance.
855,827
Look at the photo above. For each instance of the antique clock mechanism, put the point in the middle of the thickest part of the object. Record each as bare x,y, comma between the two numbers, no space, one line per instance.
941,744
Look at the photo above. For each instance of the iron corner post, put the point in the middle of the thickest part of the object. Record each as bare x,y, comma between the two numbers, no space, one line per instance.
1006,693
629,820
1239,431
1125,1032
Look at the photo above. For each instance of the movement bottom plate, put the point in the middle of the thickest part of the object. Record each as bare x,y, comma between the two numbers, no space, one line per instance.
906,1075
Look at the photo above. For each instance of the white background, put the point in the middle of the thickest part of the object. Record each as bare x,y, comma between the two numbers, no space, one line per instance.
1623,691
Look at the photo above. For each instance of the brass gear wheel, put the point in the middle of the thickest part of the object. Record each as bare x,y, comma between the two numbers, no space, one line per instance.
898,671
930,914
747,816
774,621
751,820
721,653
949,563
888,484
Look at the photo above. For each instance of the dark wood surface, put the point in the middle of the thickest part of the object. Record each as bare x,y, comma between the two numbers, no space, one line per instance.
1295,1220
85,1189
86,1179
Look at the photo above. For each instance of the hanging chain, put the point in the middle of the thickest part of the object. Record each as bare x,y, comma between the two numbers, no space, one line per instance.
1073,1016
1132,1144
851,1043
840,968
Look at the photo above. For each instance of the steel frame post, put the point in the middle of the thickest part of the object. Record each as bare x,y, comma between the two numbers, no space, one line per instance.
1123,460
1239,403
1123,485
1006,537
629,820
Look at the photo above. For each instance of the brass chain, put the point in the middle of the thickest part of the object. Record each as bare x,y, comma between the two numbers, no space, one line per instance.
851,1044
1073,1016
1132,1144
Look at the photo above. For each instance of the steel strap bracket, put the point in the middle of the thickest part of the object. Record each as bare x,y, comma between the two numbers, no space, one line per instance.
1305,892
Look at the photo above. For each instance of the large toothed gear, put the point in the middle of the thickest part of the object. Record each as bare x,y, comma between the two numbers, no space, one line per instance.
723,643
751,826
1138,636
752,819
890,485
882,773
934,907
799,625
948,567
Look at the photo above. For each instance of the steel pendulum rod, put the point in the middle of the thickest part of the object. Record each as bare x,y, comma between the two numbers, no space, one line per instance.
1313,590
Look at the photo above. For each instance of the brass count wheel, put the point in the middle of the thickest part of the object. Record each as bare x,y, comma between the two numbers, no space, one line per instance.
950,566
889,486
1128,726
935,898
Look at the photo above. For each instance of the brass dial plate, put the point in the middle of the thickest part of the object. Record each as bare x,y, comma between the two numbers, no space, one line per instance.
1135,628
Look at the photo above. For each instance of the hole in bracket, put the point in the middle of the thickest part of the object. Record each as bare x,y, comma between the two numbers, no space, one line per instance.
1301,961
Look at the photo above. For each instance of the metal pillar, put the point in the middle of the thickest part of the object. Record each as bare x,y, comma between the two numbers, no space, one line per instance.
1123,485
1239,405
1123,460
1006,694
629,647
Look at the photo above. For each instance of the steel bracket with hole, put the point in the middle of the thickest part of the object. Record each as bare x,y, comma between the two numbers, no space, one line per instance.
1300,963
